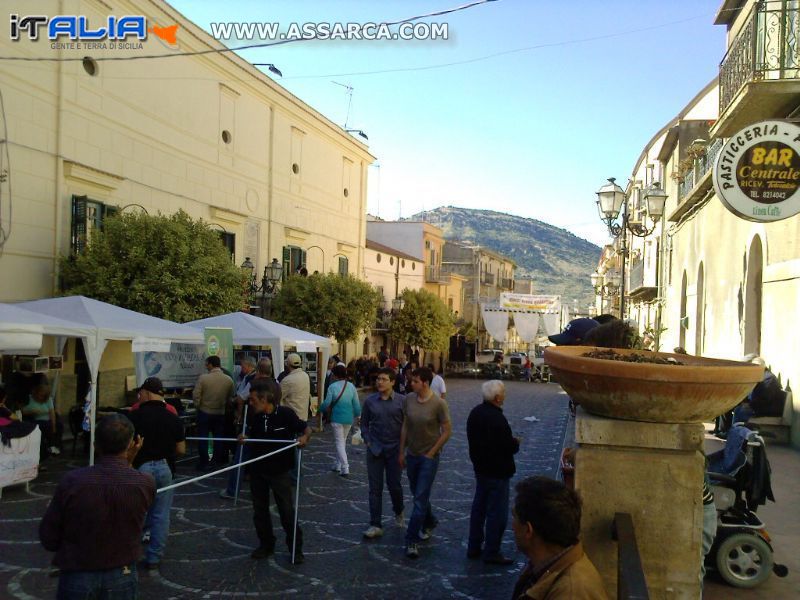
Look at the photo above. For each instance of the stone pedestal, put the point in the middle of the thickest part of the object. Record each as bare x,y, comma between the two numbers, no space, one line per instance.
654,471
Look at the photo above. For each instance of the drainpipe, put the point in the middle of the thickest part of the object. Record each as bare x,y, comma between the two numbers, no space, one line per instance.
270,184
59,168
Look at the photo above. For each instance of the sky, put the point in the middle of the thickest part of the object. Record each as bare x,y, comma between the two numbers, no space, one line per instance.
533,132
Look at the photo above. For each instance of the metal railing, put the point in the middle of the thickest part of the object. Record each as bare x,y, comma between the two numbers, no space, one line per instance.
487,278
631,584
702,165
507,283
434,274
636,277
767,47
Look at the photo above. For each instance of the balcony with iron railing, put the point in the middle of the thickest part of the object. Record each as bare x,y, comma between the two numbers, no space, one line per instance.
487,278
696,181
759,77
506,283
434,274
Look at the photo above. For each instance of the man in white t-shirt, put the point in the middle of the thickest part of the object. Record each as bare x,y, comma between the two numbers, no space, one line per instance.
437,385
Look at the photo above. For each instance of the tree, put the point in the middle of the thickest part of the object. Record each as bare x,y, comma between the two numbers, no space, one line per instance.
171,267
467,329
330,305
423,322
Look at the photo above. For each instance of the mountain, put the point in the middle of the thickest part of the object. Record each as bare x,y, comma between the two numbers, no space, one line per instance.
558,261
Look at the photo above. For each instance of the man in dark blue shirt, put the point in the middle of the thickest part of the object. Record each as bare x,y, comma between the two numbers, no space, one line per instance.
491,450
381,423
267,421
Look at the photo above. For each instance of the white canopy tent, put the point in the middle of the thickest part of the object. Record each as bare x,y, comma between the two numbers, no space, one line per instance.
21,330
249,330
104,322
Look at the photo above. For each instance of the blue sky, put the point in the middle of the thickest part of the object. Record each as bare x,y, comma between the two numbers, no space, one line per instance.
532,133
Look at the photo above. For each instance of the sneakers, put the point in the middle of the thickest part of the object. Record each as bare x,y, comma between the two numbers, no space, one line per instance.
427,532
146,537
54,451
373,532
400,519
226,495
299,559
335,469
344,474
261,552
412,551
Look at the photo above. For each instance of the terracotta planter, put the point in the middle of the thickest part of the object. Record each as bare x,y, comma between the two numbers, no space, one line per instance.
696,391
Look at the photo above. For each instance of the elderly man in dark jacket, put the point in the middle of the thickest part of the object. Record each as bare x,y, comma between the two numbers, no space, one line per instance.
491,449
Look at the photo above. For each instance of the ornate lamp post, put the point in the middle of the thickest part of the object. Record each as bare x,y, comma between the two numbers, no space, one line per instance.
610,200
264,292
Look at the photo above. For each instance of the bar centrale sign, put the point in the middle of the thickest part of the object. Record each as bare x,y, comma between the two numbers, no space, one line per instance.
757,172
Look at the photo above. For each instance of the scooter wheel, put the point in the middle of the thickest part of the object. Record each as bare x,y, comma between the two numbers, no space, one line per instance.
744,560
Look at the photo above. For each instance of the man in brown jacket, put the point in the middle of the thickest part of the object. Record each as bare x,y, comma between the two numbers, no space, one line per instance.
547,520
211,393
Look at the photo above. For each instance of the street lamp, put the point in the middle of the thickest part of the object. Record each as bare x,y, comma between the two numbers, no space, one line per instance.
610,200
270,67
359,132
264,292
606,285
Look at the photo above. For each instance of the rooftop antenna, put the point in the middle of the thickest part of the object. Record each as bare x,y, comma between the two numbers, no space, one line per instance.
349,93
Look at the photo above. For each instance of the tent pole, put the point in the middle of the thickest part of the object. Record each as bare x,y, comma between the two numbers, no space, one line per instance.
297,500
241,450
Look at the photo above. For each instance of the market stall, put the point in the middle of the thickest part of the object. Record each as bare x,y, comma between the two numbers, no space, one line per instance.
103,322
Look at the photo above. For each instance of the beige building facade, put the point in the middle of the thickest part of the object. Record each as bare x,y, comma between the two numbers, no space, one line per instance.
424,242
487,275
207,134
391,272
725,286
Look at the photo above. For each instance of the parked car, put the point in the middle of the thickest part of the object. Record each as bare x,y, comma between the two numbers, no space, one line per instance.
489,355
517,358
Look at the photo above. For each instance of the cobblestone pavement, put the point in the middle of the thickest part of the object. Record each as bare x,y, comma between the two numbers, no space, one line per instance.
208,552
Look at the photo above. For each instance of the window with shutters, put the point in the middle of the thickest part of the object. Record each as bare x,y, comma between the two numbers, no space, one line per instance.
294,259
344,265
87,216
229,241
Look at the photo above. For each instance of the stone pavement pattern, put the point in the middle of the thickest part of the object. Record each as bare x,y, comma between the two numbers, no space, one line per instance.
208,552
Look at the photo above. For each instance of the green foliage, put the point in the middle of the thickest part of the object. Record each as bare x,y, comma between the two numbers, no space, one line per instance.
423,322
330,305
467,329
171,267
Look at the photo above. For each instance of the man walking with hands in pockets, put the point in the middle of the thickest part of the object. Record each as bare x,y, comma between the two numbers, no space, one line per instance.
426,429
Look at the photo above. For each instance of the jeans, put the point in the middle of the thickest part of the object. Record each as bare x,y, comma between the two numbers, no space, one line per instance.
376,465
339,439
709,533
120,583
282,487
489,507
157,521
235,475
421,473
215,424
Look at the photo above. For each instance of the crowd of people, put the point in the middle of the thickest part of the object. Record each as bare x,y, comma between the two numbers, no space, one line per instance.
405,424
